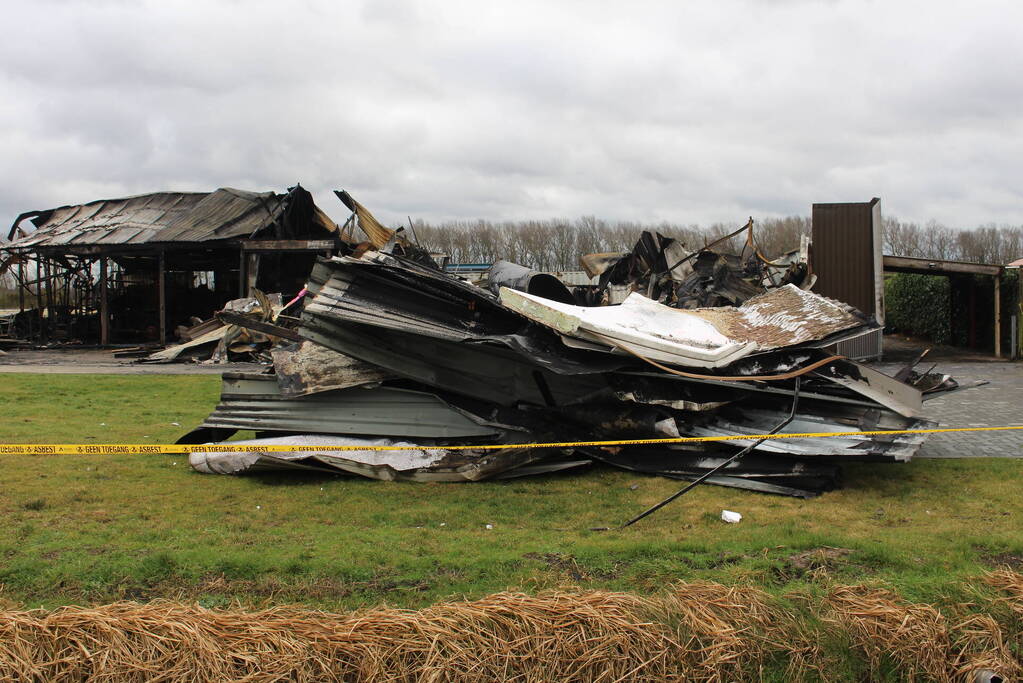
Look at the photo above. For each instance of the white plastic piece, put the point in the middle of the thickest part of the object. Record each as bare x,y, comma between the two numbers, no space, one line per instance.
731,517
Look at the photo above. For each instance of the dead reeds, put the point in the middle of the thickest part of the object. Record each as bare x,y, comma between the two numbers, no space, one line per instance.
1011,584
722,631
585,636
695,631
882,625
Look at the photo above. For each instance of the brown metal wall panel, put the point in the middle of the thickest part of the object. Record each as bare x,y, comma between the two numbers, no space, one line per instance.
844,253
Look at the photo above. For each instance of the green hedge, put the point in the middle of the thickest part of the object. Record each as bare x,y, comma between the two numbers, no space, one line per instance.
919,305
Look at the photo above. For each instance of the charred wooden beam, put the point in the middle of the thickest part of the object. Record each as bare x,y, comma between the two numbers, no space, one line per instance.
250,323
288,245
161,286
905,264
104,308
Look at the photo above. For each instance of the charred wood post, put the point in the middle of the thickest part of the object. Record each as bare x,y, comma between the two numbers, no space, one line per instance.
104,306
21,286
243,277
39,298
251,272
161,286
43,336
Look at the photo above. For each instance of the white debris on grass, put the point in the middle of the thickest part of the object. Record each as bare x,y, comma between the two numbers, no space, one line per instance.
731,517
409,457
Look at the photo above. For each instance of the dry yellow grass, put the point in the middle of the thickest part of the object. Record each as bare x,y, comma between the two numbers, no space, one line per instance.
881,624
919,640
699,631
722,631
1010,583
982,645
586,636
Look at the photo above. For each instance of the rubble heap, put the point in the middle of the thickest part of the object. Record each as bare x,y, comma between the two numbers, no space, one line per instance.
390,350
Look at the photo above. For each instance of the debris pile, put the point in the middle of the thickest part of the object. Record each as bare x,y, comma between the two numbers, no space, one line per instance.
219,340
391,352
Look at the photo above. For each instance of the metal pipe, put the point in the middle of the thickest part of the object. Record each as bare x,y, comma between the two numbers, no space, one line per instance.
514,276
735,458
998,316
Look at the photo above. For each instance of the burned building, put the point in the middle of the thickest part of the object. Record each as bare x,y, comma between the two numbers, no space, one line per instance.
130,270
392,368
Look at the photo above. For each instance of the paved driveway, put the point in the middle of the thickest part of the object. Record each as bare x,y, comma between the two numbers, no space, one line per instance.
103,362
997,404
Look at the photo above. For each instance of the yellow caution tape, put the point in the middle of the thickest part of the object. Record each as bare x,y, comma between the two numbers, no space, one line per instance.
157,449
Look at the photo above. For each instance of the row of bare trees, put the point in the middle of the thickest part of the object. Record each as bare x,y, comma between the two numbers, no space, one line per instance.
985,244
557,244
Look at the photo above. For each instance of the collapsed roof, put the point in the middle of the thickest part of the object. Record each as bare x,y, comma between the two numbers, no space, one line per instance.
172,217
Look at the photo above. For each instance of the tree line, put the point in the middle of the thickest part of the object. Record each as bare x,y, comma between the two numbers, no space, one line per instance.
985,244
557,244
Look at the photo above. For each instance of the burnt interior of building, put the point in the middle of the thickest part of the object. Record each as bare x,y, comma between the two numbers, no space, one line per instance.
99,273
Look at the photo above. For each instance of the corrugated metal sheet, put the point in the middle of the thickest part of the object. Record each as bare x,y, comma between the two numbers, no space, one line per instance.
156,218
250,401
867,346
844,254
223,214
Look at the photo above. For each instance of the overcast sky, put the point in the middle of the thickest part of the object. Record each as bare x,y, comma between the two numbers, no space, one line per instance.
690,112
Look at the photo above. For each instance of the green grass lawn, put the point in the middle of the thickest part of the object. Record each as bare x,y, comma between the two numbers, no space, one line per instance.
92,529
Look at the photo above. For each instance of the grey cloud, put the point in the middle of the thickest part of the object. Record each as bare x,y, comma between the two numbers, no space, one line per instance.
688,112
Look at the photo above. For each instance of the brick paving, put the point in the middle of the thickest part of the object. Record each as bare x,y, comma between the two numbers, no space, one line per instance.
997,404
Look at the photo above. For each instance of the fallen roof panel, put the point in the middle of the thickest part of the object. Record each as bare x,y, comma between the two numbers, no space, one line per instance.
253,401
703,337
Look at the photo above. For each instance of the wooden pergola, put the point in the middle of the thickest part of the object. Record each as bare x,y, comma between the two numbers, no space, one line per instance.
923,266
